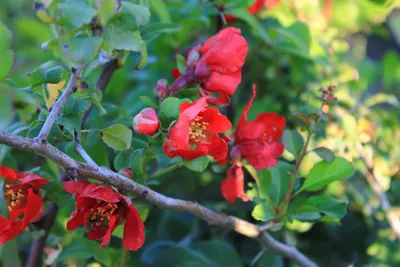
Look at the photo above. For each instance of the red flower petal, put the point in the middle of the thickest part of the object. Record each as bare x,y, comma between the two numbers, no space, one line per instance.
226,51
224,83
258,4
112,224
35,181
216,147
14,230
243,117
262,156
184,153
133,229
74,187
33,209
75,220
101,192
97,232
217,123
233,186
274,124
191,110
176,73
9,174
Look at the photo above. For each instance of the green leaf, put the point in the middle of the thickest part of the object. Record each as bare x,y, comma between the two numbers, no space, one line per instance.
143,57
141,13
75,106
264,179
160,9
153,30
182,257
84,249
7,59
382,98
324,173
9,255
83,49
293,141
122,160
323,204
106,9
55,193
72,124
197,165
3,204
280,179
169,110
263,212
53,76
121,35
222,253
118,137
137,161
5,37
76,13
325,154
6,113
148,102
181,63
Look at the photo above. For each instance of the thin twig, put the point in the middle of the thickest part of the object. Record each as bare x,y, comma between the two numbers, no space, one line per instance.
303,152
58,105
392,218
258,257
114,179
79,149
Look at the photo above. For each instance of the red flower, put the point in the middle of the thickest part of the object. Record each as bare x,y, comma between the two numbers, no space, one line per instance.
146,122
257,141
23,202
233,186
101,209
195,134
176,73
216,66
253,9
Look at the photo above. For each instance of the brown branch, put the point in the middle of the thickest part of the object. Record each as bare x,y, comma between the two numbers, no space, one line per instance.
391,217
58,105
105,77
114,179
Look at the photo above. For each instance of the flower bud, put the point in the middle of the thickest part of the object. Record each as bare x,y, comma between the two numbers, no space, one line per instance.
201,71
161,89
236,155
126,172
146,122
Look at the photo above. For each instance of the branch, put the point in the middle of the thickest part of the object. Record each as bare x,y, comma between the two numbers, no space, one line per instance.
391,217
114,179
79,149
55,111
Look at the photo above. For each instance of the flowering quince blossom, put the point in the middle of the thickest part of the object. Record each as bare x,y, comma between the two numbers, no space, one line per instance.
146,122
253,9
216,66
195,133
101,209
23,201
256,141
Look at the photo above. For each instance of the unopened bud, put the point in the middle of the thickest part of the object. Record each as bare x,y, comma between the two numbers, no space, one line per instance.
146,122
235,153
162,88
126,172
201,70
193,56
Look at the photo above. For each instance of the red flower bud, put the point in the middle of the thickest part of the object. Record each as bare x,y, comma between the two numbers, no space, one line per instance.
126,172
146,122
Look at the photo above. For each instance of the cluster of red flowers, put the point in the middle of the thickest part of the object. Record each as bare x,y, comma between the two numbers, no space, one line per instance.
24,204
199,131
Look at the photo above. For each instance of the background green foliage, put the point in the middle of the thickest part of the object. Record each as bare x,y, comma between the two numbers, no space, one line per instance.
293,50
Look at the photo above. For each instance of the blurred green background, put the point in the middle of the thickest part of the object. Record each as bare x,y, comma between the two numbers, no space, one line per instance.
294,49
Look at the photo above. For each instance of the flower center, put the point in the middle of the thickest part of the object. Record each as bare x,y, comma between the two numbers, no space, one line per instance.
101,213
15,197
197,128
